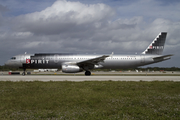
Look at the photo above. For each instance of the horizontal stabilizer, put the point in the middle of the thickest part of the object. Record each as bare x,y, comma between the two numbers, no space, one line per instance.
165,57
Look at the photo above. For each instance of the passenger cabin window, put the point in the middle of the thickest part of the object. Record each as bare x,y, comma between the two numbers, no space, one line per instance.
13,58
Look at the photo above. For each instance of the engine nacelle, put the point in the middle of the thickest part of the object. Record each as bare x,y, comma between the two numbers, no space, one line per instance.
71,69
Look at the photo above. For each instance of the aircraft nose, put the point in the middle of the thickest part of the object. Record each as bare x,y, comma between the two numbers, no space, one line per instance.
6,63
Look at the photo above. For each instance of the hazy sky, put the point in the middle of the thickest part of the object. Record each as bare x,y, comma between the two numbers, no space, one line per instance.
88,26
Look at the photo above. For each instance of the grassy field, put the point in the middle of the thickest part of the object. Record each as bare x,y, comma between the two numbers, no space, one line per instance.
90,100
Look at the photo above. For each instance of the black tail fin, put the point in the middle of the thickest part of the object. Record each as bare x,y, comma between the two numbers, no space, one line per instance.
157,46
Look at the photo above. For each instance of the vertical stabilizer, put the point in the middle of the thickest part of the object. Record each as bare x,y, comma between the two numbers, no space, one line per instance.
157,46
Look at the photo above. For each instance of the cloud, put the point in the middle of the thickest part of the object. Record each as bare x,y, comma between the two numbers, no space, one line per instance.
2,10
73,26
63,16
151,9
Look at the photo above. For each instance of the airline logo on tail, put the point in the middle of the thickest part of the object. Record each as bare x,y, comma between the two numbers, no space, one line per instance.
157,46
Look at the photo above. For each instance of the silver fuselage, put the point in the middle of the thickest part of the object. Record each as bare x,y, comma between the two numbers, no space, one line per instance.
73,63
57,60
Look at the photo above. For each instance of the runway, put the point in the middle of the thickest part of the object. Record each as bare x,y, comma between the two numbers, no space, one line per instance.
46,78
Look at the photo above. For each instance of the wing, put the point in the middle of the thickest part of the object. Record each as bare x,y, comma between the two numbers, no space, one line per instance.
90,63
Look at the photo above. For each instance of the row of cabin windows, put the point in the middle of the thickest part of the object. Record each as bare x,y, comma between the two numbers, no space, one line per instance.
89,58
107,58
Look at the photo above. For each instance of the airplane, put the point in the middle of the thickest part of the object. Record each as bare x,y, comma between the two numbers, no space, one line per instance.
74,63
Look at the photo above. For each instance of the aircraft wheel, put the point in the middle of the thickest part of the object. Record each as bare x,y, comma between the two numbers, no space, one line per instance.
87,73
23,74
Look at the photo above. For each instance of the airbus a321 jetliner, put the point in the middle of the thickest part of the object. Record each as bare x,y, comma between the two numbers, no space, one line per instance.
73,63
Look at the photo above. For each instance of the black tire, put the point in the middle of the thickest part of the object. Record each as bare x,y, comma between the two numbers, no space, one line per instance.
23,74
87,73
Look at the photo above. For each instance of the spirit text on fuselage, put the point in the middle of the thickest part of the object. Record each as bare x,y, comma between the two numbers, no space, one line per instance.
29,61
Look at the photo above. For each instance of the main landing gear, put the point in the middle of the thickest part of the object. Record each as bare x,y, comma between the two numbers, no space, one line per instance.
88,73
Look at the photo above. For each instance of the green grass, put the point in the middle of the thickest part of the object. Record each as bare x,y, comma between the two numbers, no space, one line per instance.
90,100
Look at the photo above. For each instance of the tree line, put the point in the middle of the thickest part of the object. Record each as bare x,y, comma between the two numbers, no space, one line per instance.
5,68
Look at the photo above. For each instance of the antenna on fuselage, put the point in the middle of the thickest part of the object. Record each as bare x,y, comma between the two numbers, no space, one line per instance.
111,54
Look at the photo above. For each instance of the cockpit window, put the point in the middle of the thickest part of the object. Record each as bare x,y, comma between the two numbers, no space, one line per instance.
13,58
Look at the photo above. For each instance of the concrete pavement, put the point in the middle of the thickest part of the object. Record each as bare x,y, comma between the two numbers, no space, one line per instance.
86,78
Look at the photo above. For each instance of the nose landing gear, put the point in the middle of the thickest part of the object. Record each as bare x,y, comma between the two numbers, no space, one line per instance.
24,72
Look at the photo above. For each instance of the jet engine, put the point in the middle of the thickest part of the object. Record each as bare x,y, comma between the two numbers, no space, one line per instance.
71,69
